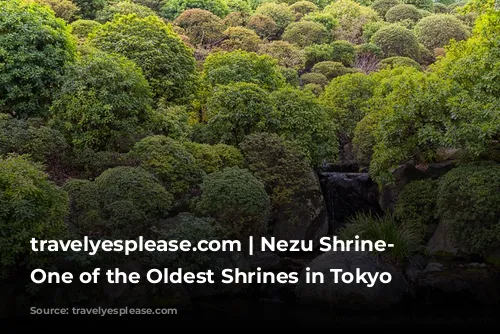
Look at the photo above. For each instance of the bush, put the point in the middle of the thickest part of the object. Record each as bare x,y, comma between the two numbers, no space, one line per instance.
103,102
438,30
351,17
344,52
368,52
223,68
440,8
167,63
236,110
317,53
89,8
82,28
123,7
65,9
300,118
331,69
171,9
237,200
171,121
403,13
302,8
313,88
305,33
383,6
213,158
326,19
406,241
371,28
287,55
469,199
201,26
153,4
314,78
32,207
171,163
395,40
39,142
263,25
236,19
239,38
279,12
278,164
421,4
122,202
364,140
241,6
35,45
291,76
347,97
416,205
392,62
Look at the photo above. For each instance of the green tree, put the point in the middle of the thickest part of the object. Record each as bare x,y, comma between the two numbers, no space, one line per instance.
279,12
382,6
287,54
236,110
171,9
32,207
223,68
305,33
167,63
103,102
201,26
123,7
438,30
237,200
89,8
300,118
395,40
34,47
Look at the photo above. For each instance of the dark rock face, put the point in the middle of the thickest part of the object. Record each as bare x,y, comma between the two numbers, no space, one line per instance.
351,295
306,217
462,284
347,194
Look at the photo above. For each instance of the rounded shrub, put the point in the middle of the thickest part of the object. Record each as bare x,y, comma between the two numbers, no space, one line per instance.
331,69
344,52
237,200
223,68
104,101
279,12
347,97
305,33
240,6
171,163
363,139
240,38
263,25
302,8
171,9
313,88
440,8
82,28
65,9
317,53
279,164
395,40
236,19
213,158
287,54
403,12
383,6
236,110
314,78
201,26
416,205
421,4
302,119
89,8
32,207
392,62
438,30
171,121
166,61
123,7
35,46
368,50
291,76
326,19
469,199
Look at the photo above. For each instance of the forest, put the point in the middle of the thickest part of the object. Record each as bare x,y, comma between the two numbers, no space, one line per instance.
224,119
